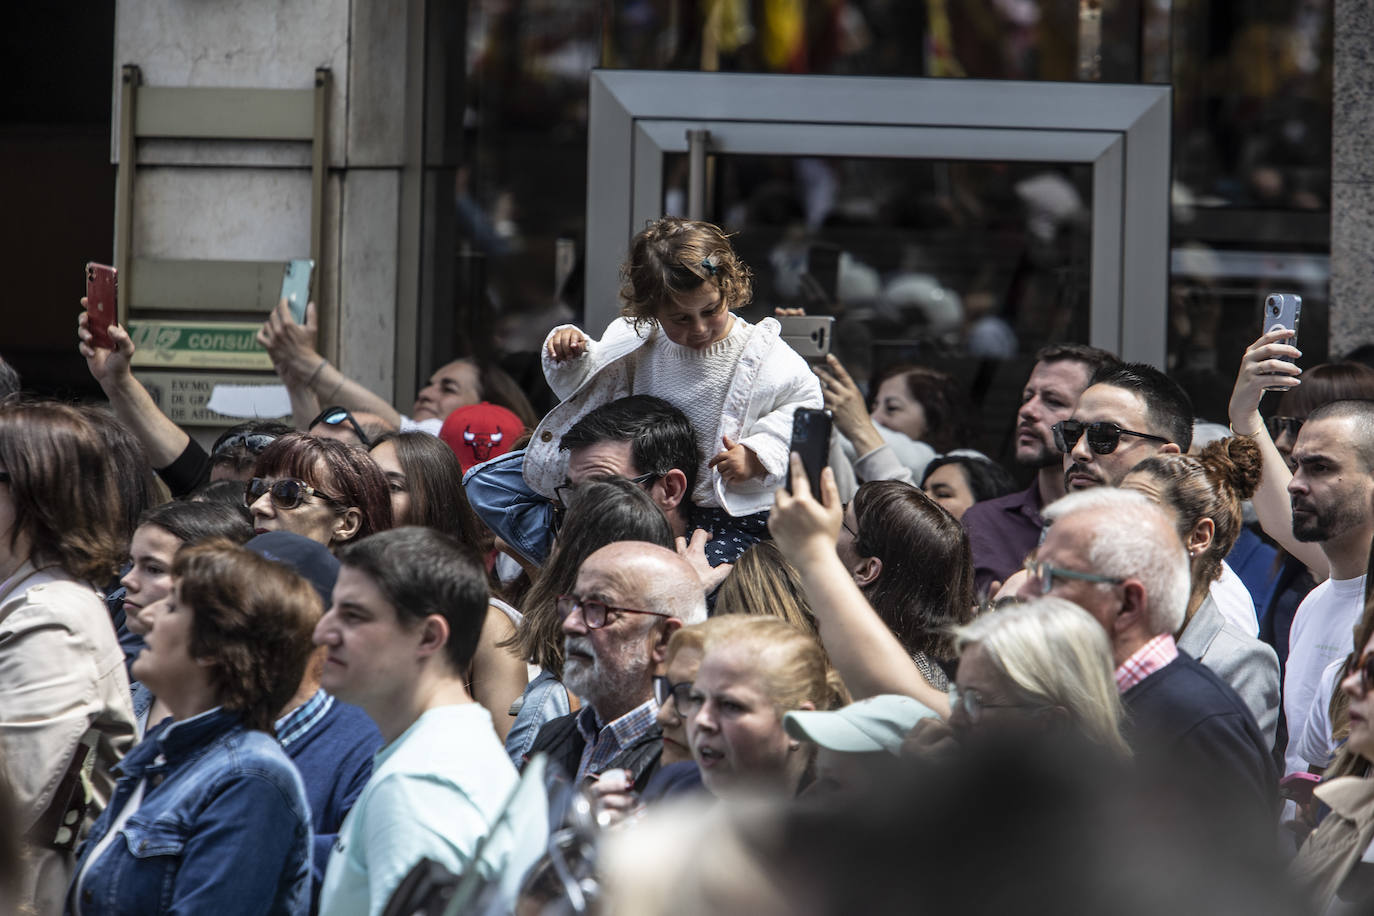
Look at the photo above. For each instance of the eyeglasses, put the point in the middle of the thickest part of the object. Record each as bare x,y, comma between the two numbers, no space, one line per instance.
594,612
681,693
286,492
254,443
333,416
1103,437
1364,668
1046,573
972,703
1279,425
563,495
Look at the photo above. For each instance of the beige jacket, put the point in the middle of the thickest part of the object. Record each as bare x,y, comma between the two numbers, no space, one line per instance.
1333,848
61,679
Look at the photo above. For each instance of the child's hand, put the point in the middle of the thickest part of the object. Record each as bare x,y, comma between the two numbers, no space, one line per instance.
737,462
567,343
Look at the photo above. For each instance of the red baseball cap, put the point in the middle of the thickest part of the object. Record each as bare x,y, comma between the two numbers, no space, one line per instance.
480,432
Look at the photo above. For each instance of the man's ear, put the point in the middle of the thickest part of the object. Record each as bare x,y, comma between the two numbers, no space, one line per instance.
433,636
671,489
659,652
867,572
1133,607
347,525
1170,448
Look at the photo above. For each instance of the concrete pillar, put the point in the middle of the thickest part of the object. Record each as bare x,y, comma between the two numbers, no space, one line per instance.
242,200
1352,177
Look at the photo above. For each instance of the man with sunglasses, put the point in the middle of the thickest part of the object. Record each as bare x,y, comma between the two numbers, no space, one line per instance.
1003,530
1116,554
1127,414
628,600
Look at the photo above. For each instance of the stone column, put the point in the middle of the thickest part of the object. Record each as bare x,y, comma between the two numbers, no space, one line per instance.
1352,176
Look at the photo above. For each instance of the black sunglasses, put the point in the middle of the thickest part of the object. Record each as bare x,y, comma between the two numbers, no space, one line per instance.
336,415
1103,437
1280,425
286,492
1364,667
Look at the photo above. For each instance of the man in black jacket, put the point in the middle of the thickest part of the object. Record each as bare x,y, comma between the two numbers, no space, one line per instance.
1116,554
629,599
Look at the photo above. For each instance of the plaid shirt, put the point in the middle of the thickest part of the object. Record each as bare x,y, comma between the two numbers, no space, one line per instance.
1145,661
303,718
604,742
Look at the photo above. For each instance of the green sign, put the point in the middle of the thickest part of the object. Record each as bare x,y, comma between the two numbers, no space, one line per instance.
198,345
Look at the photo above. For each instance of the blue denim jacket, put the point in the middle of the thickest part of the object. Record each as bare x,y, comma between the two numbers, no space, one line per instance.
224,827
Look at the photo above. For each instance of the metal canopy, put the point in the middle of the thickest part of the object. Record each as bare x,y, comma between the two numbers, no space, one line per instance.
1121,131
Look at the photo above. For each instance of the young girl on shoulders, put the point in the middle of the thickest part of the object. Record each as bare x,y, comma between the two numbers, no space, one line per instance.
679,339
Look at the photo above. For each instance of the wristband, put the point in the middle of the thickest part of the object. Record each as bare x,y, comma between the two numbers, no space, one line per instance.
1236,432
316,374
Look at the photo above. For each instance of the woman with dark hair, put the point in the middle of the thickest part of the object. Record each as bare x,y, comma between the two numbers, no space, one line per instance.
911,560
139,487
962,478
925,404
317,488
210,815
161,532
599,513
426,484
65,717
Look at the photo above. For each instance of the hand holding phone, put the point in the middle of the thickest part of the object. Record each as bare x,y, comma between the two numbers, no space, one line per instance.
101,303
1281,312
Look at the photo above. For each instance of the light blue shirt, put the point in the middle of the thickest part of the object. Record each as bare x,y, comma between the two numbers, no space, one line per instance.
434,792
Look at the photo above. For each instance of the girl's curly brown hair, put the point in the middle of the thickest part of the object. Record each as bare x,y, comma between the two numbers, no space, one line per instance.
672,257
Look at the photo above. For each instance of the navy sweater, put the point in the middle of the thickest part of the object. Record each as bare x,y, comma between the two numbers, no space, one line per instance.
1183,719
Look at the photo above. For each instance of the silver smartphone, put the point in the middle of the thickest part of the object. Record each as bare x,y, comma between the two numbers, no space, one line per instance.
1282,310
809,335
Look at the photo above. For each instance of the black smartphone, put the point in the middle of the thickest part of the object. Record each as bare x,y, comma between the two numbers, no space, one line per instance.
811,440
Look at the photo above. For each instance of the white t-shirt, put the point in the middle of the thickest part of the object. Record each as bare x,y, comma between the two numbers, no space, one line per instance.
1233,600
1323,632
1316,744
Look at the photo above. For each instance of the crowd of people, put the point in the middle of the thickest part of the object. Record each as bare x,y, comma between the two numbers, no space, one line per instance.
371,662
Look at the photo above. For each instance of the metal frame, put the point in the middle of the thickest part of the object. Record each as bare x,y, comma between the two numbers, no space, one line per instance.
156,284
1121,131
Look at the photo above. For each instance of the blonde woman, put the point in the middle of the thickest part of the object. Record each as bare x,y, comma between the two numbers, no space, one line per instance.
1045,665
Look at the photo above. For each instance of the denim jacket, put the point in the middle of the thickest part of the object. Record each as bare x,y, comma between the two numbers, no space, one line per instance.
223,828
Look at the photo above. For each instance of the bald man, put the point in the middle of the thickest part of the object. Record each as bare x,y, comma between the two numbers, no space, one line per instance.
629,599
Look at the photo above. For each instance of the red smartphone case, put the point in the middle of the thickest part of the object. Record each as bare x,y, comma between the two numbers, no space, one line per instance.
101,293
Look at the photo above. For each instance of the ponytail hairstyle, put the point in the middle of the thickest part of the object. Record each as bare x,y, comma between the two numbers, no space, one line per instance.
671,258
1208,485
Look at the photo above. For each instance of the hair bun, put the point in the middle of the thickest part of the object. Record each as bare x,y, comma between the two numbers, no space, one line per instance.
1235,461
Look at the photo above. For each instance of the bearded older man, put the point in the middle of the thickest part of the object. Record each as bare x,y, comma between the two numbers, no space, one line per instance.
628,600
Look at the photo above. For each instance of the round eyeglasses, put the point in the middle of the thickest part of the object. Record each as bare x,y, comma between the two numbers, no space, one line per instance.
594,612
